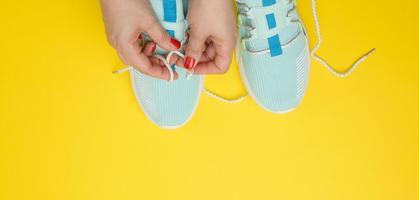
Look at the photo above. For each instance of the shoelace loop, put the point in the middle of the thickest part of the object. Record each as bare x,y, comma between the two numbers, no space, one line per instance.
166,62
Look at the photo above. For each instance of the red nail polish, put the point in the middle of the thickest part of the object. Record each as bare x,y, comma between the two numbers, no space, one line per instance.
140,37
153,49
189,62
175,43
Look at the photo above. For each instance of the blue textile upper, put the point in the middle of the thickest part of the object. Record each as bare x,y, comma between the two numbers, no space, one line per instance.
273,53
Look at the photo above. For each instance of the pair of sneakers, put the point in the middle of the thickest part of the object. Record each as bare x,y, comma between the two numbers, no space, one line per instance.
272,52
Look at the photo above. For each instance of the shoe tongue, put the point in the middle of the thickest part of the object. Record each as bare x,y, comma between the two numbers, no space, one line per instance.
285,32
168,10
258,44
171,16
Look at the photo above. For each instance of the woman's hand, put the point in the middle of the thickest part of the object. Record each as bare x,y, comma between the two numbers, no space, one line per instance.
125,20
212,36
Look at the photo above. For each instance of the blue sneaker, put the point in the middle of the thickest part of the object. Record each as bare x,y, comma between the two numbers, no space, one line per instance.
273,53
168,104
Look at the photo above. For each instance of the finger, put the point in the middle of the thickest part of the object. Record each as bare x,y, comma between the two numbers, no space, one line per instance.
209,54
140,61
159,63
156,61
194,48
173,59
140,40
180,62
162,38
149,49
205,57
161,71
209,68
133,56
219,65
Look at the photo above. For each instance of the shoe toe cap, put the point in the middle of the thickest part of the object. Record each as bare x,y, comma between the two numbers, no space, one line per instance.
168,105
277,84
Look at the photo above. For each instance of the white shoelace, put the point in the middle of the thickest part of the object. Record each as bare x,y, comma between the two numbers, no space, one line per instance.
242,97
166,64
323,61
190,73
313,51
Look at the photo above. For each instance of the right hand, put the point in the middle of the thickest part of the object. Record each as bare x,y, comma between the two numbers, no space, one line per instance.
125,20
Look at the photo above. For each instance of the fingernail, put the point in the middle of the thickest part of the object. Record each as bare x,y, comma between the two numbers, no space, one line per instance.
153,49
140,37
175,43
189,62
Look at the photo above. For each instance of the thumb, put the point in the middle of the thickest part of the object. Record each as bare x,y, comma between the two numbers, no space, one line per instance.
159,35
194,49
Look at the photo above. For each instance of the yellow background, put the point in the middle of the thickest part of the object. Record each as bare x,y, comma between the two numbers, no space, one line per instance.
69,129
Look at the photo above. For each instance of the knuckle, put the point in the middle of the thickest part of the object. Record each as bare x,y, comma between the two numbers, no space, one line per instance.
190,49
198,38
112,40
156,30
195,47
223,69
162,74
143,70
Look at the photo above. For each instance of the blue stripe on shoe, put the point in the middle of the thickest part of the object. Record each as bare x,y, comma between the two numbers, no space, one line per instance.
268,2
171,32
169,7
270,19
275,46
